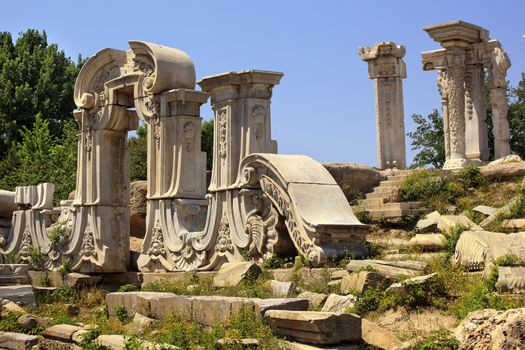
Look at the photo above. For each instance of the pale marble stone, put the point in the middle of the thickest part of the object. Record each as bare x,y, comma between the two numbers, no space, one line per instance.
401,288
232,274
467,49
500,63
511,279
428,241
361,281
448,222
316,327
387,68
17,341
339,303
428,223
62,332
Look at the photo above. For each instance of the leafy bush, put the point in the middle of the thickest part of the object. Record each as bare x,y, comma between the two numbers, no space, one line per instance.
453,235
509,260
471,176
122,314
127,288
441,340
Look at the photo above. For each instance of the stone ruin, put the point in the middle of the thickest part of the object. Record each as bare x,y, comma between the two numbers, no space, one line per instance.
258,202
467,51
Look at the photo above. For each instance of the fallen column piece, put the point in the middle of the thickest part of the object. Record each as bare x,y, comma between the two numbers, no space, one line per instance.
316,327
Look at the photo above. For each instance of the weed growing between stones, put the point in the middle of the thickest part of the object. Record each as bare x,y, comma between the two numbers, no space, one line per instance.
441,340
9,323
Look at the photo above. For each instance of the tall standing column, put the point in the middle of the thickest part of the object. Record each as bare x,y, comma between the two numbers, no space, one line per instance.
476,132
387,68
460,79
500,62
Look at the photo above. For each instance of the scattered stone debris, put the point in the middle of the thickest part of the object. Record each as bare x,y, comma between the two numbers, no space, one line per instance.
339,303
232,274
448,222
401,288
316,327
361,281
428,223
316,299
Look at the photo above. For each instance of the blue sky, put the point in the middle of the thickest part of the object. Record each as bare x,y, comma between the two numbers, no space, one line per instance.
324,106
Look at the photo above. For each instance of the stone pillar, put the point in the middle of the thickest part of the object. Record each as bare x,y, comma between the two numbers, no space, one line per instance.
500,62
476,132
460,80
387,68
241,102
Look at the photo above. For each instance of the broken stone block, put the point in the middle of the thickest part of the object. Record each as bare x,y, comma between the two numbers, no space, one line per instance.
428,223
21,294
78,336
244,344
361,281
280,289
401,288
140,321
389,269
9,306
338,274
61,332
428,241
476,250
78,280
14,274
504,210
448,222
292,304
162,306
316,299
378,337
211,310
17,341
511,279
140,302
339,303
316,327
485,210
231,274
27,321
513,224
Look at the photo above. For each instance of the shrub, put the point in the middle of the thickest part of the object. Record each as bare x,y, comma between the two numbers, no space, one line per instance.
471,176
9,323
453,235
509,260
127,288
441,340
122,314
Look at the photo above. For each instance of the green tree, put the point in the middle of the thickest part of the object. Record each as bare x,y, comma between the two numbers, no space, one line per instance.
428,139
41,157
35,78
517,118
138,154
207,142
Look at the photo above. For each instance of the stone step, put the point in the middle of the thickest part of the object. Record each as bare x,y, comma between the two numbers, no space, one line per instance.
372,201
385,195
392,206
386,189
390,182
397,177
395,213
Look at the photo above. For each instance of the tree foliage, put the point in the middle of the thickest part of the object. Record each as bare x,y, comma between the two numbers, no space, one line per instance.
42,157
207,142
517,118
429,140
35,78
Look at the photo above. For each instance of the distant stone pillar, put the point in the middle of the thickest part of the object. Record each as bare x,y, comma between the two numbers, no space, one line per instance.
476,131
387,68
460,79
500,62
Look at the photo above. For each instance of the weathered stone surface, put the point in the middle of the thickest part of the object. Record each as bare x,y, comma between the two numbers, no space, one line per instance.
504,170
140,321
448,222
20,294
54,277
511,279
206,310
428,223
513,224
301,346
79,335
27,321
338,303
118,342
78,280
388,101
316,299
504,330
137,208
9,306
242,344
354,179
428,241
231,274
476,250
14,274
504,210
485,210
389,269
473,320
379,337
62,332
401,288
316,327
17,341
7,203
361,281
280,289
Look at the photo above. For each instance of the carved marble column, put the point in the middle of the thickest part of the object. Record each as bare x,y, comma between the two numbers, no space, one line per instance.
476,132
460,82
500,63
387,68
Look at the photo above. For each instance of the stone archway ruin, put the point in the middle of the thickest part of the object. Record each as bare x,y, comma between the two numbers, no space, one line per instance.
258,203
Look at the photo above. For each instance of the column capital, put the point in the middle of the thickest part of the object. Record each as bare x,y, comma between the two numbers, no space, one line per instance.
240,85
385,60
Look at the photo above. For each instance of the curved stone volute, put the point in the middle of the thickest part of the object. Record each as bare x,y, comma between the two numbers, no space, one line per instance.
172,68
96,71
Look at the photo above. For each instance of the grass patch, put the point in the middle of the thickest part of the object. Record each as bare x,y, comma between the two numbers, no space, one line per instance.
441,340
9,323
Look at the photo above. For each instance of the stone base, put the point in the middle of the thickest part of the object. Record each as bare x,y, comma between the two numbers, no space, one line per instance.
455,164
